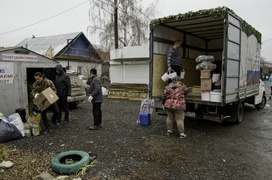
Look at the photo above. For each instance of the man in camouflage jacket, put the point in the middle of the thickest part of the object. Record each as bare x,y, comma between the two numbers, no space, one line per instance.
40,85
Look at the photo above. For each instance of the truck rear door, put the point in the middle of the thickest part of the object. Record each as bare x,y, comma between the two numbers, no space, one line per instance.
232,58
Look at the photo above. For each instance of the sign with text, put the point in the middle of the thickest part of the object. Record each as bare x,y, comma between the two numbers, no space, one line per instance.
17,57
6,71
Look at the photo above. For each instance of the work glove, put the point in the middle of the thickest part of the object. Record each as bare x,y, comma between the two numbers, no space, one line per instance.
169,69
90,98
36,95
69,98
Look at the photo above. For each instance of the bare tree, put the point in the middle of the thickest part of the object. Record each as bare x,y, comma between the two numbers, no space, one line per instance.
133,21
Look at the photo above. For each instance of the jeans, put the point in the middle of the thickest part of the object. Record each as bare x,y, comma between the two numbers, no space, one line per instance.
176,69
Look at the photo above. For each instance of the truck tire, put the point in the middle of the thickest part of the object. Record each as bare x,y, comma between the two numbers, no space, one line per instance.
262,104
239,112
78,158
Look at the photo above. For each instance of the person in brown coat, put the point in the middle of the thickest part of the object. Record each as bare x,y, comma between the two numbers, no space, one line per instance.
96,97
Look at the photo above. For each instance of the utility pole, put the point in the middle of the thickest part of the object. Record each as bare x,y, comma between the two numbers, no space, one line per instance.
115,24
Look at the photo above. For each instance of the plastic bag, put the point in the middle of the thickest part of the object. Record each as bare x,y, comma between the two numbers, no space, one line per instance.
147,106
8,132
215,77
206,66
204,58
17,122
90,98
104,91
35,119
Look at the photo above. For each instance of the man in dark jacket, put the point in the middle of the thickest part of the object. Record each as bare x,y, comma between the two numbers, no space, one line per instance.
96,97
63,86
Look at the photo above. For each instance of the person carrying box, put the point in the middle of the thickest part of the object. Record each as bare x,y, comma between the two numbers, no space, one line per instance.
40,85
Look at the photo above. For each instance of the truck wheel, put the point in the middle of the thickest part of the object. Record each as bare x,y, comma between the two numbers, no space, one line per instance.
239,112
69,162
262,104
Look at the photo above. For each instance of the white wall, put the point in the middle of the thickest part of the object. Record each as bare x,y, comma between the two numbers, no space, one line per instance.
130,65
130,72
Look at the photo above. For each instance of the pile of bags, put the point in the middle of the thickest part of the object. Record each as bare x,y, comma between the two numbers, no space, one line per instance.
205,62
12,127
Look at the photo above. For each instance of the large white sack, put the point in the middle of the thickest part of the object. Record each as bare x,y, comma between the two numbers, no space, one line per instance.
104,91
17,122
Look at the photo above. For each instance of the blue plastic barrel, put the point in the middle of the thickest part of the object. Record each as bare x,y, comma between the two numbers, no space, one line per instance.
145,119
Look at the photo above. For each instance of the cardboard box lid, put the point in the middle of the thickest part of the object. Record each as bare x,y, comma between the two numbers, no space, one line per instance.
50,95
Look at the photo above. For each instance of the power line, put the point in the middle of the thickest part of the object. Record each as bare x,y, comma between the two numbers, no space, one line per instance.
44,19
254,7
267,40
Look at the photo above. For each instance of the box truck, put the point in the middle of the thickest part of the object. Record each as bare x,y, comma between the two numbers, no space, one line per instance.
235,46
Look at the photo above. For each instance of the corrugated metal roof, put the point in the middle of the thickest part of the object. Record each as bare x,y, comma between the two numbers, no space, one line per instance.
41,44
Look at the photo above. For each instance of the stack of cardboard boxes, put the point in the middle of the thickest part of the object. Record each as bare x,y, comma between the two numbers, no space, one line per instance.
205,84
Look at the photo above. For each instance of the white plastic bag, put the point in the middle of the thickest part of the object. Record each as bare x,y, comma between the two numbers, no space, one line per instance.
17,122
215,77
104,91
205,58
90,98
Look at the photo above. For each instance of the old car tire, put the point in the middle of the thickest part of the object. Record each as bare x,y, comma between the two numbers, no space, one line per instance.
58,162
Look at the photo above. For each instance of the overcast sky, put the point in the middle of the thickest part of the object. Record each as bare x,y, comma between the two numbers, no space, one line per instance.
21,19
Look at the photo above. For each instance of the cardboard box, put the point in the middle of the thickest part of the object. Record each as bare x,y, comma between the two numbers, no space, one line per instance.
45,99
206,84
205,74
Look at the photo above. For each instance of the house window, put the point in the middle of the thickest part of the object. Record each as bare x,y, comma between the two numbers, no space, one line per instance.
79,69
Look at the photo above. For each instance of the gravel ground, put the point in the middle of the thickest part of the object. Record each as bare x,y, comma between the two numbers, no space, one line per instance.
126,150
